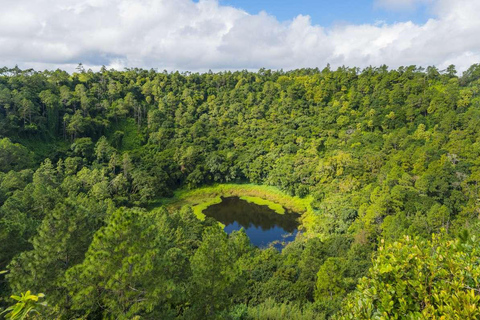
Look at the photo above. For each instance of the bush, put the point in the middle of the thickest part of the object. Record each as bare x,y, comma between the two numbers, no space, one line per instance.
419,279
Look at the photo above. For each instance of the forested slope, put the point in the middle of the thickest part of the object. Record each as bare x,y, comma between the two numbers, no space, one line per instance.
384,154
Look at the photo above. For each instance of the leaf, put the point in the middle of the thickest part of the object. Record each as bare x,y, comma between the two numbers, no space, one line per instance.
18,307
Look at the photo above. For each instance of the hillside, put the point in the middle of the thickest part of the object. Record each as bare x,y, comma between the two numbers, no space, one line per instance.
378,159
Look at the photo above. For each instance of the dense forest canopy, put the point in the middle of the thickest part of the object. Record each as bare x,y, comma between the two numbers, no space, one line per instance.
389,157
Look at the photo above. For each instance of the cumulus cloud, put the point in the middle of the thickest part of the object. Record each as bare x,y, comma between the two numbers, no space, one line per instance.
197,36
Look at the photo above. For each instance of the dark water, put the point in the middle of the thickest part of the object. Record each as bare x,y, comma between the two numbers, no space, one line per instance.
262,225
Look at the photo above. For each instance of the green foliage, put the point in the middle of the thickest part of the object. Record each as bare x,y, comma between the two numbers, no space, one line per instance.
331,278
83,147
27,307
61,241
413,278
213,273
270,310
362,154
125,135
134,264
13,156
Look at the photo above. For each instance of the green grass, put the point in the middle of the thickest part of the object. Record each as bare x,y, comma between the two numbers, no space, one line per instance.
201,198
198,209
132,138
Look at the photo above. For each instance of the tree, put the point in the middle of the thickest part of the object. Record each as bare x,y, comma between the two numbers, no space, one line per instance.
13,156
62,240
81,96
415,279
51,103
213,273
83,147
332,284
136,264
27,109
103,150
76,124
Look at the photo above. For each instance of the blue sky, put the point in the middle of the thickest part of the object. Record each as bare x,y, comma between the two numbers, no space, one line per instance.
331,12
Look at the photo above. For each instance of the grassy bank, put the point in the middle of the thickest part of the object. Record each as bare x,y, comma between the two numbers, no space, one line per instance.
274,198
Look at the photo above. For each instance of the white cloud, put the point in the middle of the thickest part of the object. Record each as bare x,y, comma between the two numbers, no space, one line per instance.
185,35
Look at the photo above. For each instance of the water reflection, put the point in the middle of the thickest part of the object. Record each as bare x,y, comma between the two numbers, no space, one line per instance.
262,225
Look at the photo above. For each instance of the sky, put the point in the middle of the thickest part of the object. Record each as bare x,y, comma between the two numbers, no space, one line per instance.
333,12
217,35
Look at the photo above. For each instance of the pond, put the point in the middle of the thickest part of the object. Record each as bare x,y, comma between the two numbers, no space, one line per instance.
262,225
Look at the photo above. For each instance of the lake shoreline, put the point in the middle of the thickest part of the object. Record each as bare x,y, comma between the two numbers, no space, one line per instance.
201,198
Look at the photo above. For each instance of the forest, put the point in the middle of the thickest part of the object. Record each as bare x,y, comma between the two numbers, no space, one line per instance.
388,159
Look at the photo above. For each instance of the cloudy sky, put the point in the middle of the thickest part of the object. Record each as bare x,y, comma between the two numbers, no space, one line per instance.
238,34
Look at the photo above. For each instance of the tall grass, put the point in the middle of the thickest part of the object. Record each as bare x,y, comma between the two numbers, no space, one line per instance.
270,310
